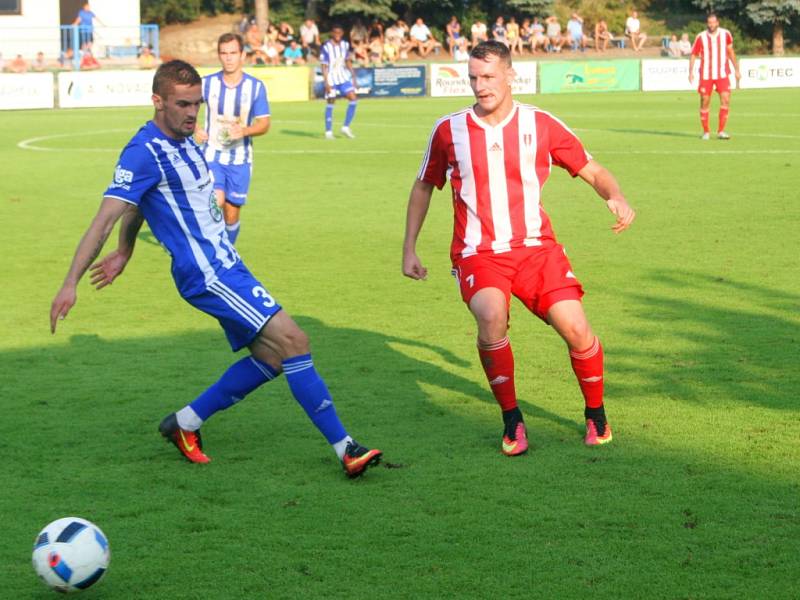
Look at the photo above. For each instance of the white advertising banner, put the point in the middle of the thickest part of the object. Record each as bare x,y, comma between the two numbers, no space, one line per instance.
770,72
105,88
452,79
663,75
28,90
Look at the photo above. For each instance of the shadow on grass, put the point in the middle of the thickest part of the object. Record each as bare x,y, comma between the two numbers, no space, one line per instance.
737,341
301,133
652,132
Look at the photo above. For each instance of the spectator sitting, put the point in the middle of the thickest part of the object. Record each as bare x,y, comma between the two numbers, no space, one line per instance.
422,39
253,44
633,29
602,36
358,34
2,63
674,47
147,60
512,34
375,50
453,30
88,61
397,38
375,30
554,37
271,50
18,65
685,45
525,35
478,31
293,54
538,38
39,63
360,50
272,35
499,31
66,58
575,34
461,53
309,38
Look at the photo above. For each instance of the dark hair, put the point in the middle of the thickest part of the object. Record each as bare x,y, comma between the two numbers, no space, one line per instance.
172,73
230,37
711,14
492,48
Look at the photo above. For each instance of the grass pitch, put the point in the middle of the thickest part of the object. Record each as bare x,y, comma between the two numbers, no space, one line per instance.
697,306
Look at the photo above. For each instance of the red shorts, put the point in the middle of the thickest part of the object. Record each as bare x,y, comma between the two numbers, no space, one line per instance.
539,276
707,86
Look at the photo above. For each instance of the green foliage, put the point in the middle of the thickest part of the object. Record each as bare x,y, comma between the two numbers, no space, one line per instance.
771,11
696,305
373,9
164,12
528,8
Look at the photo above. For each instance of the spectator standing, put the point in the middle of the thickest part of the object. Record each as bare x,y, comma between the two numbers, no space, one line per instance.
602,36
554,37
309,38
499,31
577,39
479,33
633,29
422,39
85,22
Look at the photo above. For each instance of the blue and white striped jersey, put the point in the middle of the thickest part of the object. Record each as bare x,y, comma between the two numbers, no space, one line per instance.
335,56
227,105
170,183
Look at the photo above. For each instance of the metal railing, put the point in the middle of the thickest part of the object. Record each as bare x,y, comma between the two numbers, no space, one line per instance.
114,41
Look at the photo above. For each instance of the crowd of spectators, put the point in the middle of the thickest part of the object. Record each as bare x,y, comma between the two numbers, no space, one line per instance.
376,43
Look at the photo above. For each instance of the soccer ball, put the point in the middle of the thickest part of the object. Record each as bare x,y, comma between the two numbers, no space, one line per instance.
71,554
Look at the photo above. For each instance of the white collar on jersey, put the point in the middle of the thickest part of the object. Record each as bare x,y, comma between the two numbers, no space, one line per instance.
501,124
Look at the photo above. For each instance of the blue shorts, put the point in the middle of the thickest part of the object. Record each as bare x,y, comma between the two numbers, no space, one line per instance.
341,89
239,302
233,180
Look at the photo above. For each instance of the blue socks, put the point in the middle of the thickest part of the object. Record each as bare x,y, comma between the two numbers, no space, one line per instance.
312,394
329,117
351,112
233,231
240,379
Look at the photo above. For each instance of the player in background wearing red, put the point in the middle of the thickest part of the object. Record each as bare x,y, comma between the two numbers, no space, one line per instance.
497,156
715,49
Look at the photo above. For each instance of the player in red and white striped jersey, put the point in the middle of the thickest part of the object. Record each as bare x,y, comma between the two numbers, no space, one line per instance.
715,49
497,156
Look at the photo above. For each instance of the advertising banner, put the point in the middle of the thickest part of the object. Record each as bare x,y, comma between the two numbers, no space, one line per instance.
453,79
589,76
769,72
105,88
29,90
399,81
284,84
661,75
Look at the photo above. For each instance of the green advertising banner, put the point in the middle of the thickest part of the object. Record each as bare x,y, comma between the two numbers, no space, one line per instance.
588,76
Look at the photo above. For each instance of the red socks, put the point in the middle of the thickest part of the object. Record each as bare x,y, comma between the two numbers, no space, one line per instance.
723,118
588,367
704,120
498,363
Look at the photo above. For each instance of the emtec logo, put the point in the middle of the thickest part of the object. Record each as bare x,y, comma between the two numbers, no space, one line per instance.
764,72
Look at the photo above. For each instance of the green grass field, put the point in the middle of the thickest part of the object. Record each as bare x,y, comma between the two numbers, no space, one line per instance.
697,306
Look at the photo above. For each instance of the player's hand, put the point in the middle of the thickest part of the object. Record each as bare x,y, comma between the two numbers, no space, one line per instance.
412,267
200,136
235,132
105,271
62,303
691,77
624,213
738,79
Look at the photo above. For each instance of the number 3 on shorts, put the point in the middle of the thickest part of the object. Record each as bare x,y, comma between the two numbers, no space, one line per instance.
260,292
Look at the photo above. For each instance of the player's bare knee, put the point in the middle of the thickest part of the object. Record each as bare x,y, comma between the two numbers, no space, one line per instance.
492,324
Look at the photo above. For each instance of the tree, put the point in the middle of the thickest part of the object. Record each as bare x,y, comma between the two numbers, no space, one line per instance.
374,9
530,7
262,14
777,12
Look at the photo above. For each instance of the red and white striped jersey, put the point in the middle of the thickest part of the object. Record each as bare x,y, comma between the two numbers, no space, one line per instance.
497,174
712,48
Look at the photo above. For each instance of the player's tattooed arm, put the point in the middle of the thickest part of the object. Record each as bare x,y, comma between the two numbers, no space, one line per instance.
105,271
88,249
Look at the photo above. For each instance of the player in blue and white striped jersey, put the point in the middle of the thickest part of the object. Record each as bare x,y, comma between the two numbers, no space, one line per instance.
163,177
237,110
339,78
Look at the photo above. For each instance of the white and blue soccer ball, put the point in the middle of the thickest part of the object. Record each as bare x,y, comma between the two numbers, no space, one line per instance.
71,554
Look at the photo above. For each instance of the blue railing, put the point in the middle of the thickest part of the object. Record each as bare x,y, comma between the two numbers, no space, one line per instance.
73,37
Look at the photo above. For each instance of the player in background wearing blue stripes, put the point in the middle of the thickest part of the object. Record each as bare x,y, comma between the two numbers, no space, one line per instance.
237,110
339,78
162,177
